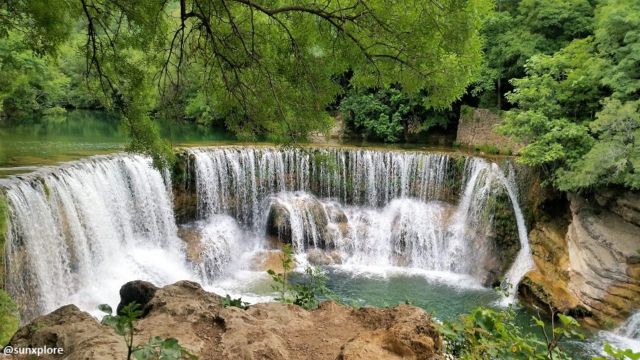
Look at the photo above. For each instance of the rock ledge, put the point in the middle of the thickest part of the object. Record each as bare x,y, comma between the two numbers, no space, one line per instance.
263,331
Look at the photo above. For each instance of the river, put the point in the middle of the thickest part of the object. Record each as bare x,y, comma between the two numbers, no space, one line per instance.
406,225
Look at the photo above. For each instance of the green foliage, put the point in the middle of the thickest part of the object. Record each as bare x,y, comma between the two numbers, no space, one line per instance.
4,228
281,280
577,109
155,348
516,31
618,354
379,115
9,318
305,293
265,69
493,334
615,156
30,84
488,149
388,114
163,349
228,301
4,221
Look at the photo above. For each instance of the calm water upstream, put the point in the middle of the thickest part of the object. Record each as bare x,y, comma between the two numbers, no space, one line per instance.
29,144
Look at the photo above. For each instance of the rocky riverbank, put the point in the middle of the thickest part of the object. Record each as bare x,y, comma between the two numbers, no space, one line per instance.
586,249
263,331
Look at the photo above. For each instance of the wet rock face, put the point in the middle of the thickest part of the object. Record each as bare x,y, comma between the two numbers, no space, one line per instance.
603,250
323,258
185,199
263,331
587,259
299,219
279,223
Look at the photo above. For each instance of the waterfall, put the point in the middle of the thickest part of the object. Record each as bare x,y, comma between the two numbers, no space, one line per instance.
78,232
220,244
625,336
524,260
380,208
235,180
631,327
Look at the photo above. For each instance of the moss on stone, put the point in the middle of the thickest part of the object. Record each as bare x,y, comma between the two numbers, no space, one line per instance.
9,318
185,199
4,228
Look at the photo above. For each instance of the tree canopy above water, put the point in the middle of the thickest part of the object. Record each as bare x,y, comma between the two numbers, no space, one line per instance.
268,68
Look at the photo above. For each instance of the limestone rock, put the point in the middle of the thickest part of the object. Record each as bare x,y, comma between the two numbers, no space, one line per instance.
79,335
298,217
279,223
586,257
321,257
192,236
602,245
267,260
263,331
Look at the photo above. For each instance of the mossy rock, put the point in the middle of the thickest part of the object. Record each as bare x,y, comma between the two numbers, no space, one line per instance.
504,235
545,294
184,188
4,228
9,318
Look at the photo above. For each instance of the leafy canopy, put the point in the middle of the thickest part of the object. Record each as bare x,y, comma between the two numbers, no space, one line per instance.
578,109
266,67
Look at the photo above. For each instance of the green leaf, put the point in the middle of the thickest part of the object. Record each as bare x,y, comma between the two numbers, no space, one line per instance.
105,308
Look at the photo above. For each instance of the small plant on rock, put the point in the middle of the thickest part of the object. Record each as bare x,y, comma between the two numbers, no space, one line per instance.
155,348
9,318
227,301
618,354
305,293
281,280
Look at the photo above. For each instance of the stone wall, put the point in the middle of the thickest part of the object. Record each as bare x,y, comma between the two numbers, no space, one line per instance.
476,130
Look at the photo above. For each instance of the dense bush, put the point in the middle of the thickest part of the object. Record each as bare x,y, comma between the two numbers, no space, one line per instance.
487,333
388,114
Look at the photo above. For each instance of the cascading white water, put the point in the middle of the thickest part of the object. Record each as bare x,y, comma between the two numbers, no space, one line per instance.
235,180
78,232
631,327
625,336
524,260
407,232
221,242
386,202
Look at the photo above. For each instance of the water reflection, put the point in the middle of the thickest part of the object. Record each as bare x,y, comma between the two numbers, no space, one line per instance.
30,143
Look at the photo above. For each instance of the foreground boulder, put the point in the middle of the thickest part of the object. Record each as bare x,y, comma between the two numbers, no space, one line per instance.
263,331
